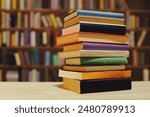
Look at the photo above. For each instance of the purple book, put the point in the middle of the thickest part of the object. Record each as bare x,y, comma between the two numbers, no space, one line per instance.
103,46
96,46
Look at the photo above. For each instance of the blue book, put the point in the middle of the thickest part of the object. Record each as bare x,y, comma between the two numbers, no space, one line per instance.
47,58
93,14
36,56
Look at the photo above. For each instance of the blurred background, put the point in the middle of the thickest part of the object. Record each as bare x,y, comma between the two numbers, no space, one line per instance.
28,31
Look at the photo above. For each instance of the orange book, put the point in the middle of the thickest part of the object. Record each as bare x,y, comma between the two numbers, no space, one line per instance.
91,37
94,75
79,19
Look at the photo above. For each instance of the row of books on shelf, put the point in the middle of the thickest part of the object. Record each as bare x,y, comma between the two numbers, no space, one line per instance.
59,4
31,57
31,75
28,38
139,57
134,21
29,4
29,20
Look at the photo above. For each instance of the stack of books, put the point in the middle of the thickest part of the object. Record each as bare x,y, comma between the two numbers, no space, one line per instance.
95,51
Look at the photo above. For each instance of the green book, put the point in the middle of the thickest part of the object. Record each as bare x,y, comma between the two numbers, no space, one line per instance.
96,61
55,60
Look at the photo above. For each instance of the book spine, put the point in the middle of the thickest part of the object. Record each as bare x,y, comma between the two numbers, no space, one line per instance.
110,29
95,46
100,14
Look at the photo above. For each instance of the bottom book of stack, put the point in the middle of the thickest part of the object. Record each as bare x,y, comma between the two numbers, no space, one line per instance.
97,85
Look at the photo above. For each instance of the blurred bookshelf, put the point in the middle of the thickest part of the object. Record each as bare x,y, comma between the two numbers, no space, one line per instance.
28,29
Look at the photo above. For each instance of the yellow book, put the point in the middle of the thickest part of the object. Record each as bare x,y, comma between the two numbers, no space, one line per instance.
3,4
19,20
79,19
101,4
14,4
44,36
133,21
18,61
94,68
54,21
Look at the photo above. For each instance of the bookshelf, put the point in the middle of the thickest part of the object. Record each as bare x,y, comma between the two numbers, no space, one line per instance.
29,27
27,40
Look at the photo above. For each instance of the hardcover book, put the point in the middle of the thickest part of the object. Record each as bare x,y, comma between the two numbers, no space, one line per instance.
77,19
99,85
93,53
91,13
94,46
95,27
96,61
91,37
94,68
94,75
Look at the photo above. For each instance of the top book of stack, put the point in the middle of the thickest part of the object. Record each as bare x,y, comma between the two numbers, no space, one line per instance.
94,21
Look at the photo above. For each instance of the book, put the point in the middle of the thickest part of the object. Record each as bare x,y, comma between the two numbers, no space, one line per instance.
12,76
91,37
141,38
94,75
94,46
55,60
78,19
17,57
95,27
93,53
96,61
146,74
100,85
47,58
93,14
94,68
54,20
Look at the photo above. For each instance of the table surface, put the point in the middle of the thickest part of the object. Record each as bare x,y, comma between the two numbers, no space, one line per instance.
54,91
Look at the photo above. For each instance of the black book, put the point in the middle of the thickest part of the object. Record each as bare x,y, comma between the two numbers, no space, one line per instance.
100,85
98,28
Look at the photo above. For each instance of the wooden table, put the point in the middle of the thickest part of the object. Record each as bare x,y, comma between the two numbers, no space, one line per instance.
53,90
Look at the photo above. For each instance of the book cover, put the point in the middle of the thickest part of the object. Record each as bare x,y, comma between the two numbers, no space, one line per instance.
92,27
100,85
94,68
93,53
93,14
95,46
91,37
96,61
78,19
94,75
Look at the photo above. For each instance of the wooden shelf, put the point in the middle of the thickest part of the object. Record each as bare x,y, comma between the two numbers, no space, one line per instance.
29,67
29,47
139,66
36,29
42,10
140,48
